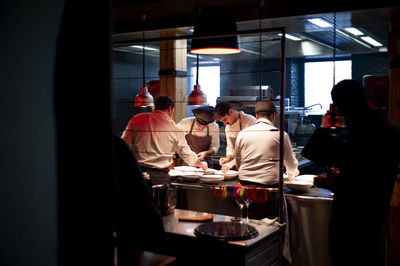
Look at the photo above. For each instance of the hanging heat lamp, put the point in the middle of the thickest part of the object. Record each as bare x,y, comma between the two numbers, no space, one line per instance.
215,21
144,98
197,97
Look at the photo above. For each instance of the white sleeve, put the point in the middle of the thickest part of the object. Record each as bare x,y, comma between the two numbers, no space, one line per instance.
289,159
183,149
214,132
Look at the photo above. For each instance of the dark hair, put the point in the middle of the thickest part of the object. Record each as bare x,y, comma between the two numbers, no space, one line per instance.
222,109
350,97
164,102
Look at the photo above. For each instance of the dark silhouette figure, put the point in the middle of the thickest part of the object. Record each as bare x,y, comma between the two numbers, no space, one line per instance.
367,167
138,221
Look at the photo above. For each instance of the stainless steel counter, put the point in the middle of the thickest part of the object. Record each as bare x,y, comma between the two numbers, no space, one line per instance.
309,215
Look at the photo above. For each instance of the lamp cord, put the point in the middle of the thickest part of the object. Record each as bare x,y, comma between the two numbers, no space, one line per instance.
197,70
334,48
260,44
143,53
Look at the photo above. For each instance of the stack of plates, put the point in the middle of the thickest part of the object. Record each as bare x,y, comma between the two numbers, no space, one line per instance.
188,169
228,175
298,185
213,179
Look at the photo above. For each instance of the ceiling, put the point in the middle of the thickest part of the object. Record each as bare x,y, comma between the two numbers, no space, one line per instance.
315,41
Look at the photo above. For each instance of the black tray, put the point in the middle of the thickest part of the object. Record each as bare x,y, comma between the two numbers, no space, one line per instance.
225,231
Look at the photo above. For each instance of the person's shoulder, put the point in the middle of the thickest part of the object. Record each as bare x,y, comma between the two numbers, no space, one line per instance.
248,116
214,125
186,120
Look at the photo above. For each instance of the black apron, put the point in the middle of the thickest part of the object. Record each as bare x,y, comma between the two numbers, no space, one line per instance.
157,175
199,144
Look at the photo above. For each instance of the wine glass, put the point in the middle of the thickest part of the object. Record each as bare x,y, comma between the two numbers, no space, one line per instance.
240,201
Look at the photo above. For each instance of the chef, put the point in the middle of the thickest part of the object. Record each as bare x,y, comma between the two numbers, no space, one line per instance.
234,122
154,139
257,150
202,133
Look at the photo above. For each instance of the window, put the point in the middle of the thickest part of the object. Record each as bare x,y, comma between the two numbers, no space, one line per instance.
318,81
209,82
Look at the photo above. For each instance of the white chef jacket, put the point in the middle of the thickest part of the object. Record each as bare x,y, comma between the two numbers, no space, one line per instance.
213,130
154,138
232,131
257,154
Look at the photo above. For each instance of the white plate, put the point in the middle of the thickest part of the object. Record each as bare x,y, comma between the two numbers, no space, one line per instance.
214,179
299,185
173,172
188,169
210,171
227,175
191,175
306,178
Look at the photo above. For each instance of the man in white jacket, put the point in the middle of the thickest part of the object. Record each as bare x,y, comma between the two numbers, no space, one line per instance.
154,138
257,149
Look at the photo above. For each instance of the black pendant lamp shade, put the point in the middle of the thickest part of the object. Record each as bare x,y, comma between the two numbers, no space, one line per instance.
215,21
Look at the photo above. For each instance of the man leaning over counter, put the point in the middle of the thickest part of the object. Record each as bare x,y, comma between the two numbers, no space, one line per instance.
234,122
202,133
154,138
257,150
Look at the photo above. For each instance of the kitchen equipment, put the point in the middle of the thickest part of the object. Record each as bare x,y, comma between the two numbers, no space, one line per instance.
225,231
165,198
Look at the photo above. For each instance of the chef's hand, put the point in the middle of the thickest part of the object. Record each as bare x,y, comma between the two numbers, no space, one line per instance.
204,165
224,160
201,155
225,168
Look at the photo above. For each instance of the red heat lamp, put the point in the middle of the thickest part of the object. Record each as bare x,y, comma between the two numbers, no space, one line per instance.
215,21
197,97
144,98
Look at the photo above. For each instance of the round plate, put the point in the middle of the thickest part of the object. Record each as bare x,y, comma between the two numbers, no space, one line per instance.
188,169
209,171
213,179
299,185
173,172
229,174
225,231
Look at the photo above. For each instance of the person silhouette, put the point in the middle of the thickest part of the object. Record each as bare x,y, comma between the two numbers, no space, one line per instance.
364,180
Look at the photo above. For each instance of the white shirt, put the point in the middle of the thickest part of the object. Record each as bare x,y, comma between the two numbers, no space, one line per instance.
154,138
257,154
232,131
213,129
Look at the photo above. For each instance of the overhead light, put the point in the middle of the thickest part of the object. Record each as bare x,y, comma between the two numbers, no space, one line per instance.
320,22
197,97
146,48
144,98
354,31
291,37
371,41
217,21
